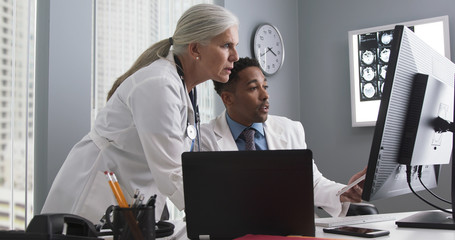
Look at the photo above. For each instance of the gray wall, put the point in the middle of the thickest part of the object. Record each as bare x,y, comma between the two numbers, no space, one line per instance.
283,86
339,149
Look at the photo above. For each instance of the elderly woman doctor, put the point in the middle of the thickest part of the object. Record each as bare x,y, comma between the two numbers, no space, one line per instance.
149,119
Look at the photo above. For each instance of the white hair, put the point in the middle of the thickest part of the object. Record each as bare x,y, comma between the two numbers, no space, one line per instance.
199,24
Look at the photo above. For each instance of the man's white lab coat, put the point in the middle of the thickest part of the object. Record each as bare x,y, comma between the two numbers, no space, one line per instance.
280,133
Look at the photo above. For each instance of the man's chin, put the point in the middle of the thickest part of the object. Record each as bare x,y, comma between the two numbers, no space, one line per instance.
264,117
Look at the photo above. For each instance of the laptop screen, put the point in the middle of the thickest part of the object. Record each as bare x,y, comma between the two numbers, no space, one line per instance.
233,193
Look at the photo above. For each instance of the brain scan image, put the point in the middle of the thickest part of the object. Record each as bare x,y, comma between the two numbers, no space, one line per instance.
368,57
368,90
368,73
383,71
384,55
386,38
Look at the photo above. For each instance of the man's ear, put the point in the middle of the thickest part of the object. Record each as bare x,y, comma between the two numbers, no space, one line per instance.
194,50
227,98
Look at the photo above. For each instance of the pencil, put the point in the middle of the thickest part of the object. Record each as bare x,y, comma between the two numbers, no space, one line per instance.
131,220
119,189
113,188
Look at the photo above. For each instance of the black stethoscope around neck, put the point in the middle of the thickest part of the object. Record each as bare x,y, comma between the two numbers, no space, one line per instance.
192,131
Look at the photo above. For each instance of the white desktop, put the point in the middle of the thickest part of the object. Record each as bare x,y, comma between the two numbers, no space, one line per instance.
396,232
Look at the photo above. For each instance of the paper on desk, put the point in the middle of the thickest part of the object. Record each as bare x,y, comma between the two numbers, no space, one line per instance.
345,189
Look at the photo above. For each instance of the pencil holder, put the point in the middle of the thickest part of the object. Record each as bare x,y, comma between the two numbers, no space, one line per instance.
137,223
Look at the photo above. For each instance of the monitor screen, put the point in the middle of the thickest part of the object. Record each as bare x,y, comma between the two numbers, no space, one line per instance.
412,62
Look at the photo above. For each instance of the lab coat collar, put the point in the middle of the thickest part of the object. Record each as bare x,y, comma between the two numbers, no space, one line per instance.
273,133
189,105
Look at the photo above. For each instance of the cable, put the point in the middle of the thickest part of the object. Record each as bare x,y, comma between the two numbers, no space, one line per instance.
431,192
408,177
164,229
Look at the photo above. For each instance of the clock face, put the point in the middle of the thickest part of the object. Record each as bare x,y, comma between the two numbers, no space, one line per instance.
268,48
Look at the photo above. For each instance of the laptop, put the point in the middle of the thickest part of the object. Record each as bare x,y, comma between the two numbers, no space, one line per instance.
230,194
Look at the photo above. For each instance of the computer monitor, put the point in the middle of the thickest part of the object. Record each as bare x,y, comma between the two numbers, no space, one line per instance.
405,144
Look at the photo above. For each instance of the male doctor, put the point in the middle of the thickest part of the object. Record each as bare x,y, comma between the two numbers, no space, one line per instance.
246,100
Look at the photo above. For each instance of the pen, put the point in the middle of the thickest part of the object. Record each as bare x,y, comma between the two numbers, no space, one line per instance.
140,199
136,194
343,190
151,201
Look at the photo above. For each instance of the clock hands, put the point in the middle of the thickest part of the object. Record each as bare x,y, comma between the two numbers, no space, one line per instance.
269,49
262,54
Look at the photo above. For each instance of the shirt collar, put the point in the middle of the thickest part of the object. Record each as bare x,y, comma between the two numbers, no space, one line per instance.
237,128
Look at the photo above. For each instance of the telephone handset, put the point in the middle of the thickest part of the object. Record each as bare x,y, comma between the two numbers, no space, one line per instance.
68,224
56,226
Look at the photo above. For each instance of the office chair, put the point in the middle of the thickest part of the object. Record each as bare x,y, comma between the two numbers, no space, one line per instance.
361,209
354,209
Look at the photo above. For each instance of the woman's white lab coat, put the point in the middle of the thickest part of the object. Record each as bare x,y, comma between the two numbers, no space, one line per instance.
140,136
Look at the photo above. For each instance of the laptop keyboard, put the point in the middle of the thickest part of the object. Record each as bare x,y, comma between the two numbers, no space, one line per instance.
352,220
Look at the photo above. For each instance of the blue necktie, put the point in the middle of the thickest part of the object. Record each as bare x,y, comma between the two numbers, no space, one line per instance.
248,136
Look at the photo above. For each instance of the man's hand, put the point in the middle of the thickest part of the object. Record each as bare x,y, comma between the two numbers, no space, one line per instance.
355,193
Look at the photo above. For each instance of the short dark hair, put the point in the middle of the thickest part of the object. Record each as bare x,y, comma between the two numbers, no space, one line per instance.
241,64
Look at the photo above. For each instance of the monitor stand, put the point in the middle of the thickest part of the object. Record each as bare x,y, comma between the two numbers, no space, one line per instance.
428,219
436,219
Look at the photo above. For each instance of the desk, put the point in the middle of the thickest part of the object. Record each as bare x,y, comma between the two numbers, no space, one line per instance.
395,232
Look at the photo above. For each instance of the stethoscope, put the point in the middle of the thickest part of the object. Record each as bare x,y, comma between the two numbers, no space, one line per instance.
192,131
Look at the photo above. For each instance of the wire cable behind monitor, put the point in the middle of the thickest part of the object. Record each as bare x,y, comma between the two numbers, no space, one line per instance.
408,177
419,174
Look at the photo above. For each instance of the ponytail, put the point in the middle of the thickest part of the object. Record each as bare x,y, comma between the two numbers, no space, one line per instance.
153,53
199,24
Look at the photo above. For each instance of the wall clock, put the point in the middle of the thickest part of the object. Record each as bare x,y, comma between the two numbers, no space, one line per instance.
268,48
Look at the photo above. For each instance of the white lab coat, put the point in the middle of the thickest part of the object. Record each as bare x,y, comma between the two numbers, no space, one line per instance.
139,135
280,133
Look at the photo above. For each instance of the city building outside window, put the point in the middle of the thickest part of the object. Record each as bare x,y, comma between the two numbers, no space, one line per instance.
17,76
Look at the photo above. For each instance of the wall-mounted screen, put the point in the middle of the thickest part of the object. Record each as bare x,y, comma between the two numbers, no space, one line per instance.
369,51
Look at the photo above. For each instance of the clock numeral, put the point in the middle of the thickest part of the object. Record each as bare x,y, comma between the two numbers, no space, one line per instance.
262,38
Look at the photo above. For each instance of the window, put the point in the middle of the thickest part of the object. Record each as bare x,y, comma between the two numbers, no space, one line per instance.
16,129
123,30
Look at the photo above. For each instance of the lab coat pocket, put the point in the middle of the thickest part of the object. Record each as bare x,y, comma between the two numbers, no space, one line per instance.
98,197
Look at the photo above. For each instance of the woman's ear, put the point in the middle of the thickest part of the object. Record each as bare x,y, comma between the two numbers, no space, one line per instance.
194,49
